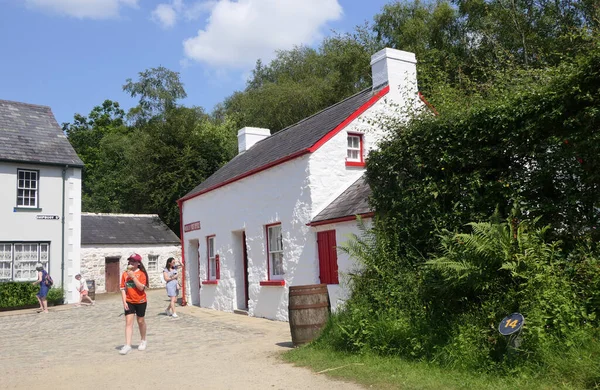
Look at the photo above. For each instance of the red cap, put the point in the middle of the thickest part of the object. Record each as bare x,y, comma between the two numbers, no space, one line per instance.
135,257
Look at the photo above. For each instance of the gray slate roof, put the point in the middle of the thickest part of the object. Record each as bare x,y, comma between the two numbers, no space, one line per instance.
30,133
355,200
125,229
293,139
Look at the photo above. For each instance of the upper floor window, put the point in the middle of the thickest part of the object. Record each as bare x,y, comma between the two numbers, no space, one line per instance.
27,188
152,262
212,259
275,248
354,154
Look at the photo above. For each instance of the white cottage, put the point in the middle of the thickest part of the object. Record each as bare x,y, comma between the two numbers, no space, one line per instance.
107,240
40,200
272,217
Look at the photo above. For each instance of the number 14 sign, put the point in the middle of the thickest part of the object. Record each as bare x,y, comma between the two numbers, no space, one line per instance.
511,324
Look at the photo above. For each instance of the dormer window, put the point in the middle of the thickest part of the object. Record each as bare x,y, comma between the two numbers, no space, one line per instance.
354,154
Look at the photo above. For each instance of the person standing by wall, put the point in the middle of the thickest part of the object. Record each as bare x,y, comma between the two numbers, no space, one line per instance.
134,282
81,286
170,274
44,288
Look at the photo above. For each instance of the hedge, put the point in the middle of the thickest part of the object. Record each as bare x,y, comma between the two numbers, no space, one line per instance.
19,294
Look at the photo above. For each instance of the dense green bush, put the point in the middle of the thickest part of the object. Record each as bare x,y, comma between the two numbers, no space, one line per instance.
438,274
18,294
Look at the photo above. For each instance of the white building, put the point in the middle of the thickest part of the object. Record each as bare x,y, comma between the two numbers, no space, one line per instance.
107,240
272,217
40,200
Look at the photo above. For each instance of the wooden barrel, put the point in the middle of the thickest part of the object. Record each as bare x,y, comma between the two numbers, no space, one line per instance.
308,311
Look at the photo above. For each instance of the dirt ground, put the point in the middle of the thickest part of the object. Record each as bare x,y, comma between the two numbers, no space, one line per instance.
77,348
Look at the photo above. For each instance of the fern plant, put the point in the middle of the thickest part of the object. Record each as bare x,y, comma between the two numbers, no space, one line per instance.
493,254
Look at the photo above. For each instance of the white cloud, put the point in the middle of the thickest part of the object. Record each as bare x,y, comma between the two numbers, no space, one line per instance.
239,32
199,8
93,9
167,14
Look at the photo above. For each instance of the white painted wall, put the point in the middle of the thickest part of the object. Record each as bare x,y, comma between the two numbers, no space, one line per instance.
22,225
93,262
291,193
280,194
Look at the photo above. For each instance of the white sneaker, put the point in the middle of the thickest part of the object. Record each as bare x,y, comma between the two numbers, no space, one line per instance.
174,315
142,345
167,312
125,350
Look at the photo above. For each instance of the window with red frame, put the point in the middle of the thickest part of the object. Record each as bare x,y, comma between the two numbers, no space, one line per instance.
327,247
354,152
275,251
213,265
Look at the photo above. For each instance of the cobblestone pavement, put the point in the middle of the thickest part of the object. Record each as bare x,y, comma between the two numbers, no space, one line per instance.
78,348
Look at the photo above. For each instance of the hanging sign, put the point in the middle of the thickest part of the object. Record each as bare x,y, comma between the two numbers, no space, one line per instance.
511,324
191,226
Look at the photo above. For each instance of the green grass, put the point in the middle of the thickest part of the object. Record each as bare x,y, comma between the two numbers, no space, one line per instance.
395,373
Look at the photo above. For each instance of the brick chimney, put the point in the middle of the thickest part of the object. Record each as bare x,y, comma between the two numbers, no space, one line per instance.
248,136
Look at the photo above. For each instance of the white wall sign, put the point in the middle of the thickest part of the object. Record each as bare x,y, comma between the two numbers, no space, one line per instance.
43,216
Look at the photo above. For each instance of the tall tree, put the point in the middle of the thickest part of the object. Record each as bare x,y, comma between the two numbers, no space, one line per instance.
88,136
302,81
158,90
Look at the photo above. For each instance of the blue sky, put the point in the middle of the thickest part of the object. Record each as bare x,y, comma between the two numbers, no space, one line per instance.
73,54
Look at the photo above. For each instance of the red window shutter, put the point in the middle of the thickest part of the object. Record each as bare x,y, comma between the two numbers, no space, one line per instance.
218,266
333,258
327,248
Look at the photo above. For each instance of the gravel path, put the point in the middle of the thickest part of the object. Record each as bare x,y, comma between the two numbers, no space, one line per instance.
78,348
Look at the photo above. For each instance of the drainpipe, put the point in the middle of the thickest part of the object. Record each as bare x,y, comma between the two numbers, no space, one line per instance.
62,262
183,298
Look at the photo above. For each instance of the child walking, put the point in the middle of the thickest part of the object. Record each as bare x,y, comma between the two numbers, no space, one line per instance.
134,282
81,285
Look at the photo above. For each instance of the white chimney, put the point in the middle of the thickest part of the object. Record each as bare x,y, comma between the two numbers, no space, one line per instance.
248,136
399,69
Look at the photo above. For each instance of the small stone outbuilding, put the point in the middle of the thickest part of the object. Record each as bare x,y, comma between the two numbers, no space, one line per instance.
107,240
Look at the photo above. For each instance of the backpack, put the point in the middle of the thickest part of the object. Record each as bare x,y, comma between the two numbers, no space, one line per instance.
48,280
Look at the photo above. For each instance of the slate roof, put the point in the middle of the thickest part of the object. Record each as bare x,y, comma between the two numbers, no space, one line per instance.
30,133
354,200
287,142
125,229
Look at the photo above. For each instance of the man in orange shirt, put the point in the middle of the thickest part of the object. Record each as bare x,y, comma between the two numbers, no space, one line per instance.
134,282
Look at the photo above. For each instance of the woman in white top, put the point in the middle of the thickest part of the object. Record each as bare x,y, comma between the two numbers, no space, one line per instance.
170,275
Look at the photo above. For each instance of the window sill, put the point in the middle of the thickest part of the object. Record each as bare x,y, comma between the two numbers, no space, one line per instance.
360,164
210,282
275,283
26,209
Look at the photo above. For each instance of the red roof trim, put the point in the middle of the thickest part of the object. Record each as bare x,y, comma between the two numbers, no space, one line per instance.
352,117
341,219
249,173
316,146
431,107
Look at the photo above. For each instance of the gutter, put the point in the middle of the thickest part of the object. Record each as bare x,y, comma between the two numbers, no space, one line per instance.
341,219
62,261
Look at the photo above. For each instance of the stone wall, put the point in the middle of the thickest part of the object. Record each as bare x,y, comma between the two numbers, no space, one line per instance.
93,261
